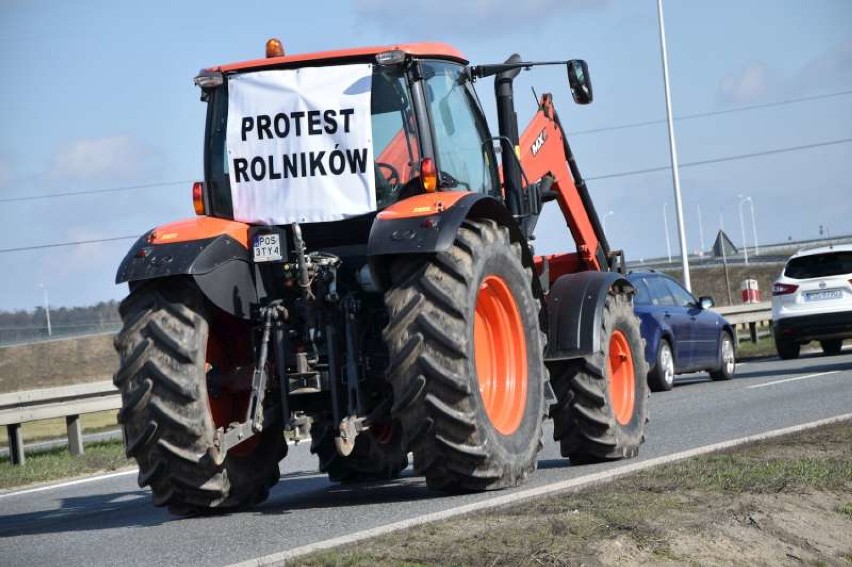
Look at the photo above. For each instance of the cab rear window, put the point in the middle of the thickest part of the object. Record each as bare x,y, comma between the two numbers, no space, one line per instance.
819,265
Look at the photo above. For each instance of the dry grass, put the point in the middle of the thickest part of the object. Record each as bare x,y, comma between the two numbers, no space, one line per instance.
782,501
57,363
710,280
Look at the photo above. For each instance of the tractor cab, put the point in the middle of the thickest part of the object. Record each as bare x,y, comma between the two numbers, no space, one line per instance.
337,135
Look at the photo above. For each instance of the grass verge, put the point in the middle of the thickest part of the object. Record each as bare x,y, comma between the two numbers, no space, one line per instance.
59,464
765,346
783,501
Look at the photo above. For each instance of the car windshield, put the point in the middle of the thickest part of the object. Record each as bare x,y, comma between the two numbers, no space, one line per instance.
819,265
396,147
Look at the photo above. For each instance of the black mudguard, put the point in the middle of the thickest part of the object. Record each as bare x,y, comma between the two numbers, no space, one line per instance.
436,233
575,306
220,266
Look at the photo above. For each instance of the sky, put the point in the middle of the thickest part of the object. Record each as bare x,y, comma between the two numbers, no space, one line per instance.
98,95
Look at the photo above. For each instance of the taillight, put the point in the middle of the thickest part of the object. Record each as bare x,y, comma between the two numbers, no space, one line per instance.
428,175
783,288
198,198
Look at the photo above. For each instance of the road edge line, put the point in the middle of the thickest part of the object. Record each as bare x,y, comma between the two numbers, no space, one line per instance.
66,483
570,484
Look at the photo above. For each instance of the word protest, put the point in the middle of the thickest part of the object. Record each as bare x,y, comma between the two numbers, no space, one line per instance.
299,144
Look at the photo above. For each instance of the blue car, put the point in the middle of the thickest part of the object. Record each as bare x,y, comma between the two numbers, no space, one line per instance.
681,333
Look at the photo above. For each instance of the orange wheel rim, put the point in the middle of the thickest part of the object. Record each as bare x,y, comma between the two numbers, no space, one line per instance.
622,389
500,355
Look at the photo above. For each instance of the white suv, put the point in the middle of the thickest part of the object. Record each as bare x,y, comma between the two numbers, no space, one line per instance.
812,300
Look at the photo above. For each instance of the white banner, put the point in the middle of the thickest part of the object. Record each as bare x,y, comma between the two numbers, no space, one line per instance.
300,145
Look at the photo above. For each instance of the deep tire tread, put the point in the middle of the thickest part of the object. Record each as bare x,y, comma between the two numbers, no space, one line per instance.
584,422
435,398
167,422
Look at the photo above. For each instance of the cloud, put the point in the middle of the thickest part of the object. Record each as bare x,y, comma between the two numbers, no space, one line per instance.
830,68
827,71
480,17
112,157
746,85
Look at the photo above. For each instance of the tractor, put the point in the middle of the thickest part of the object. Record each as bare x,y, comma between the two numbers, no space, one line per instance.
361,260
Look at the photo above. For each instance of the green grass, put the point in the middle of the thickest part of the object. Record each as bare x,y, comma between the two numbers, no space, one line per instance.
59,464
765,346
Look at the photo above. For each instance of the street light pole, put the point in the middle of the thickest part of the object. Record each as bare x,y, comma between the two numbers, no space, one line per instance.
684,254
753,226
700,229
46,309
666,225
742,231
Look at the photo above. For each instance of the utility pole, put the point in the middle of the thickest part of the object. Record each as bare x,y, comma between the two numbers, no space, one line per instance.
684,255
700,229
742,231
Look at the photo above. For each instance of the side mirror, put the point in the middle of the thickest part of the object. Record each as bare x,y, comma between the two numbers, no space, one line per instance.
579,81
706,302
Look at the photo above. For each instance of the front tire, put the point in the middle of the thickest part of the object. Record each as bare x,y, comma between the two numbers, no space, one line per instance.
601,407
167,364
727,359
466,361
661,377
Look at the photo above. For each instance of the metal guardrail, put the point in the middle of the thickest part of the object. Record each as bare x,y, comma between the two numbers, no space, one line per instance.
747,314
69,402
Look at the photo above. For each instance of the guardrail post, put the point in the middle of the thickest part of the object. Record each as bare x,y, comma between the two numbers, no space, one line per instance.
752,329
75,434
16,443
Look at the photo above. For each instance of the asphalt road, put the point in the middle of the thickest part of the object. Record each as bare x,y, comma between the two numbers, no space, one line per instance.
112,522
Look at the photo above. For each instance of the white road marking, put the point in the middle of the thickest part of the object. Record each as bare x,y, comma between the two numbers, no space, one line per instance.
575,483
69,483
793,379
4,494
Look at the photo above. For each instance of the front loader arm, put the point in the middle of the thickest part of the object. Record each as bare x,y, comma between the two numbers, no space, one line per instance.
544,151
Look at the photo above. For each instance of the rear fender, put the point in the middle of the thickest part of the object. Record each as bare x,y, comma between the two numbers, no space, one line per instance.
213,251
575,307
428,223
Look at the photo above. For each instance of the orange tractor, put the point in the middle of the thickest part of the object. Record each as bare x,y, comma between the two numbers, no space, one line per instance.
362,256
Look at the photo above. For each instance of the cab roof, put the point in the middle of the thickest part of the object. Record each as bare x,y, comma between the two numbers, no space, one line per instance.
423,49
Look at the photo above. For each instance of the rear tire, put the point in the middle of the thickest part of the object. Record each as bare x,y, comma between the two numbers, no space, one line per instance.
727,359
371,459
787,350
452,408
831,347
661,377
601,408
166,414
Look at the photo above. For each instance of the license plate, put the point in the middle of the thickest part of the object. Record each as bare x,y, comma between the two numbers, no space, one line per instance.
823,295
267,248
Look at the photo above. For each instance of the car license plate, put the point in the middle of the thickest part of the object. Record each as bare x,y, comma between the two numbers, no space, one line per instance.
823,295
267,248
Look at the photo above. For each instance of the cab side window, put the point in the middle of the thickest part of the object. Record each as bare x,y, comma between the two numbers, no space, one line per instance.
464,154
